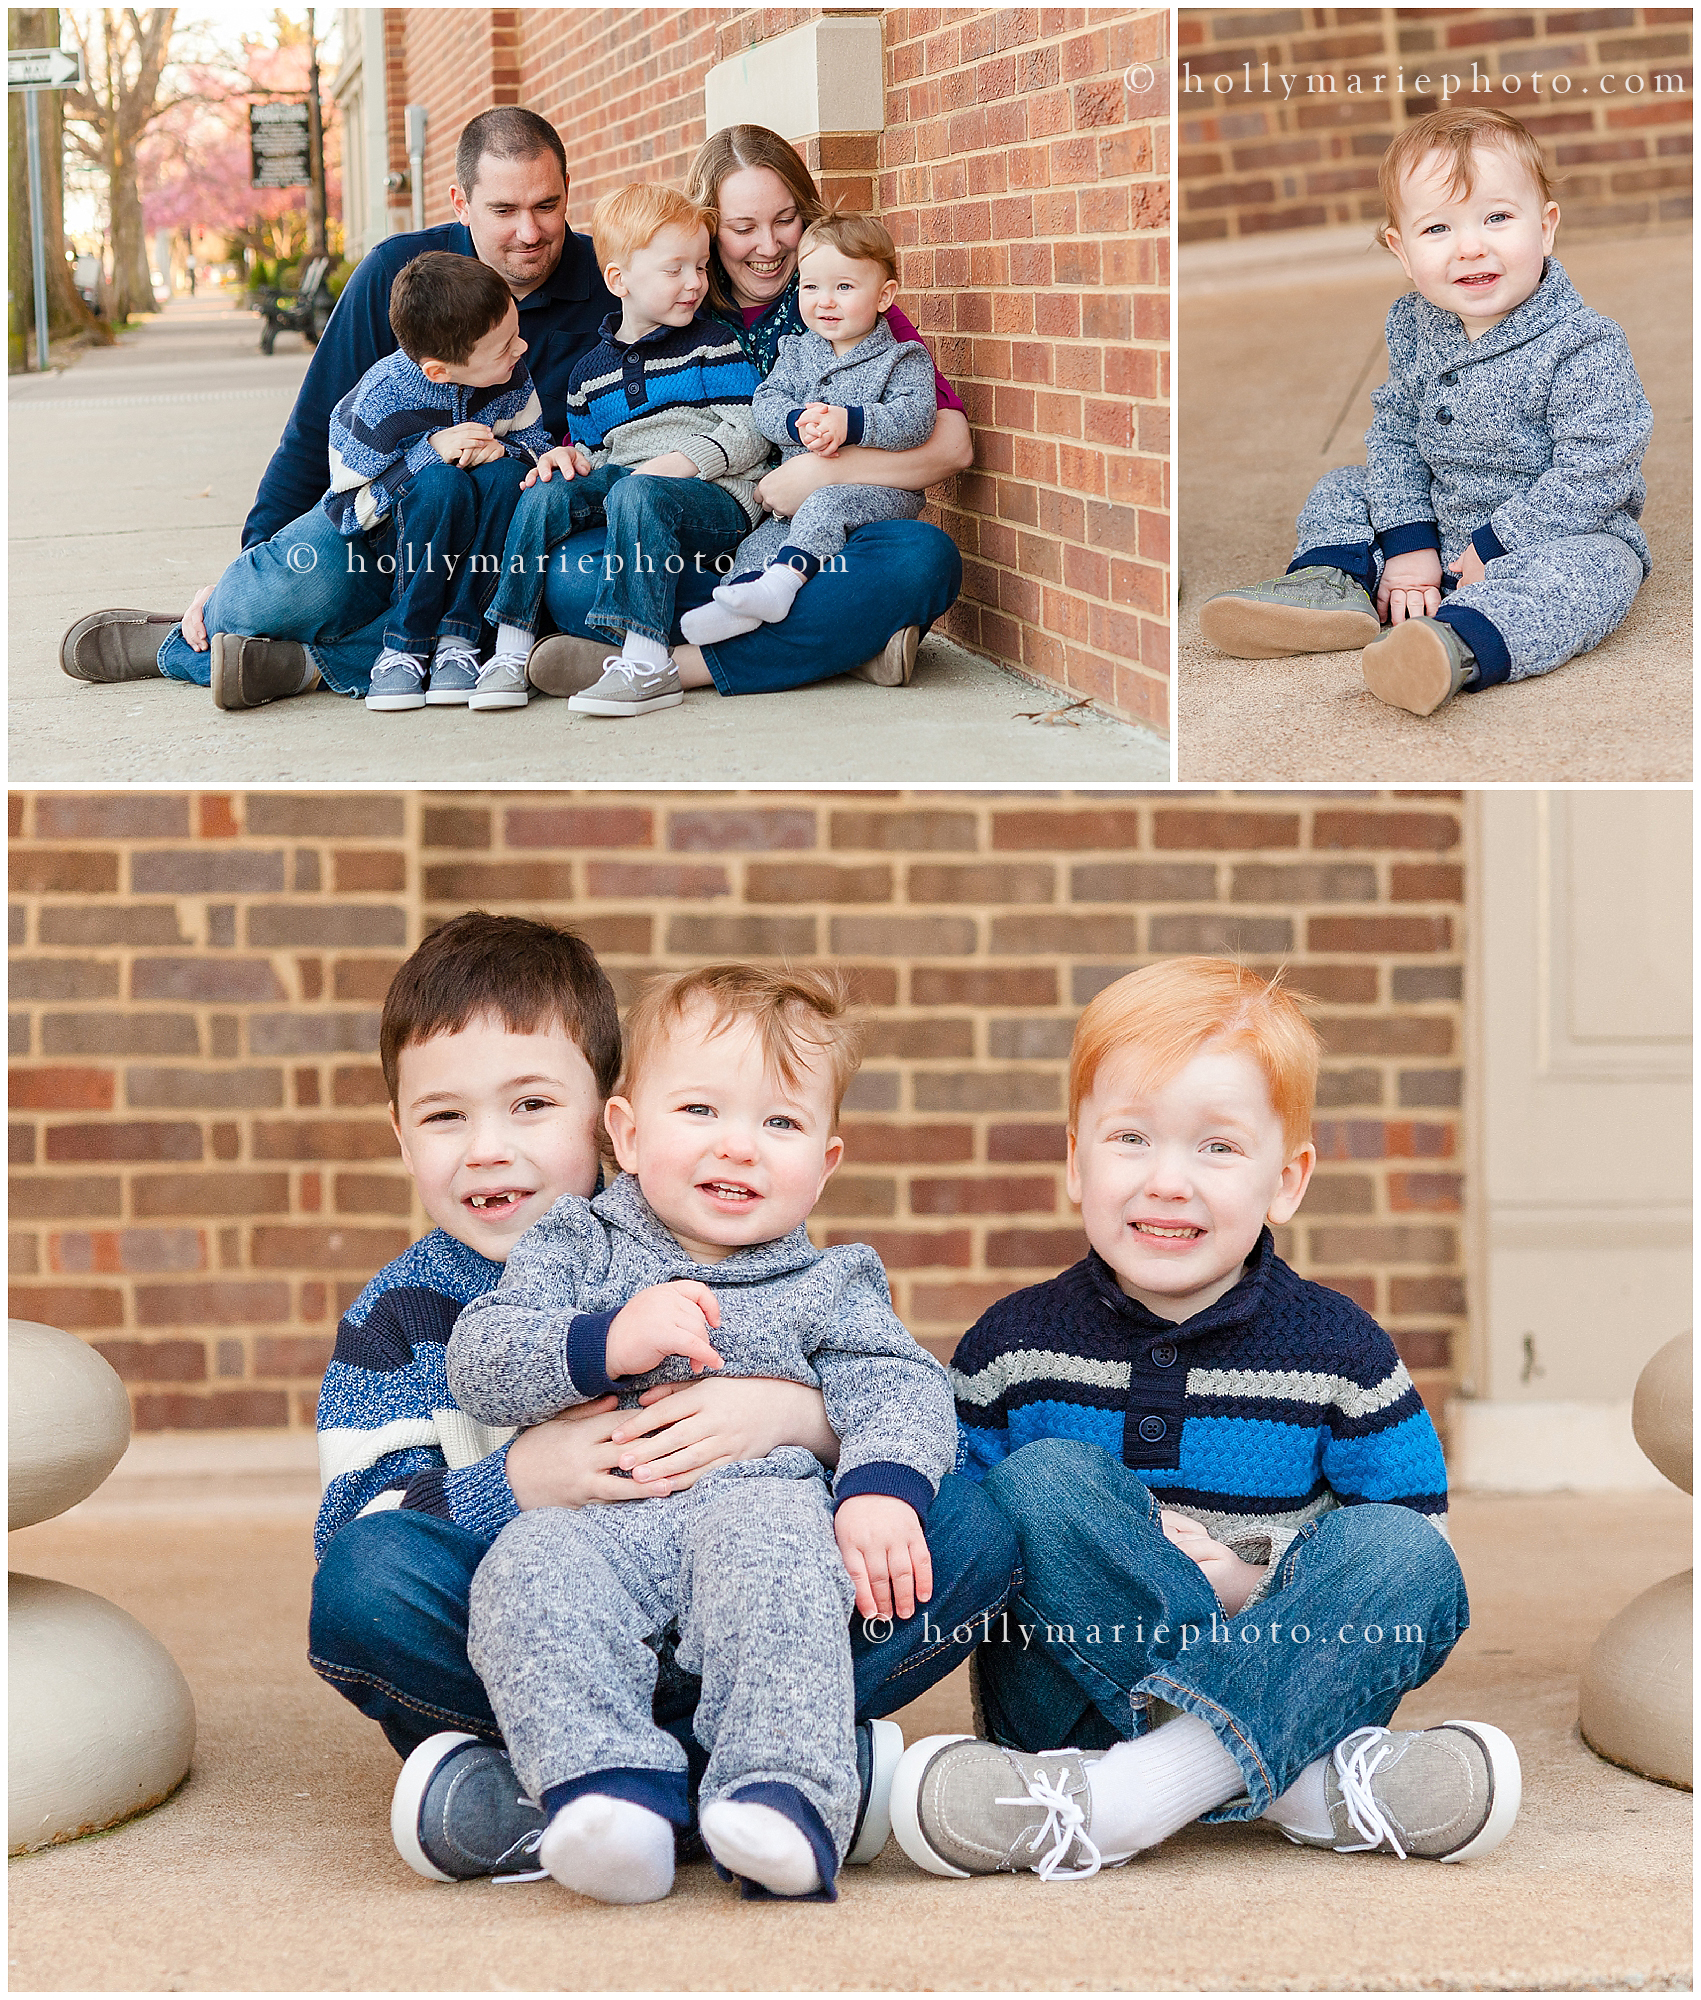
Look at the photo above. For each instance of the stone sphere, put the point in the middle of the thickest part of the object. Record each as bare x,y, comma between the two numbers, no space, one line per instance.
68,1422
1663,1414
1635,1700
102,1723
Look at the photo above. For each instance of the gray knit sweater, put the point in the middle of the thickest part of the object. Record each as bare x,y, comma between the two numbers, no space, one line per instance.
535,1345
1532,433
886,384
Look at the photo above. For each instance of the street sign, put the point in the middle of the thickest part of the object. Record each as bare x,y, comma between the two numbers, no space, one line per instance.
277,134
44,69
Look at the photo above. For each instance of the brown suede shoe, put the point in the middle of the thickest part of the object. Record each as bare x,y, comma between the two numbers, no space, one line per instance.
116,645
565,665
248,673
1417,665
894,667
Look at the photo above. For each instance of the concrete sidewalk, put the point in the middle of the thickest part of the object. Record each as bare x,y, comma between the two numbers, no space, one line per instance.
1275,381
131,475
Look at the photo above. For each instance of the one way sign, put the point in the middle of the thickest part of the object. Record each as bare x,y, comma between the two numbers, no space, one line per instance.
44,69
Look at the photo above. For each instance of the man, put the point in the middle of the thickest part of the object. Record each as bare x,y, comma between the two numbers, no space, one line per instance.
297,576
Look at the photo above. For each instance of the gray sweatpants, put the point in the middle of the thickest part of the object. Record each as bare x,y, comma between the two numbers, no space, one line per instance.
1548,604
820,525
565,1604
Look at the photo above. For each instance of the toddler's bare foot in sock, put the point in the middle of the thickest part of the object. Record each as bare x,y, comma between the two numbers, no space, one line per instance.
768,597
609,1849
761,1845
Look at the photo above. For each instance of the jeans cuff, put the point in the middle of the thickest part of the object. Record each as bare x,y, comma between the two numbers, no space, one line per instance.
1260,1789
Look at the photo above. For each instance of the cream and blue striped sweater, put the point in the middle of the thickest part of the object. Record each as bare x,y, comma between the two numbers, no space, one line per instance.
1273,1406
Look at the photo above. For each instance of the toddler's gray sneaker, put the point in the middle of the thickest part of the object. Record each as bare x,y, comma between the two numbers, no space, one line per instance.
1316,610
879,1750
458,1813
1445,1794
398,681
501,683
454,675
1418,664
629,689
964,1807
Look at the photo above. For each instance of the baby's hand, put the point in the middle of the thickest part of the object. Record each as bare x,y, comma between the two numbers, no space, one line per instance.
567,459
481,452
1410,586
885,1554
1470,568
451,443
659,1321
1233,1579
823,427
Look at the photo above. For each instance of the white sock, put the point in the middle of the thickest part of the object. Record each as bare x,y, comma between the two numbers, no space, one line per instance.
709,623
760,1844
1144,1791
513,642
644,652
767,597
609,1849
1303,1807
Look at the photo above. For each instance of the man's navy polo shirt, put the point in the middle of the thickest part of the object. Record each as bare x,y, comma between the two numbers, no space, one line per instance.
559,322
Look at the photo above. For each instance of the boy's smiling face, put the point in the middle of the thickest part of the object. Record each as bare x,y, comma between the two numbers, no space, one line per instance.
495,1127
726,1152
1478,251
1175,1181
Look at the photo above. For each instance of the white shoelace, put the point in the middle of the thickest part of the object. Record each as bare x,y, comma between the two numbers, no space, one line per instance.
500,667
456,656
1064,1823
1358,1758
389,662
528,1843
636,675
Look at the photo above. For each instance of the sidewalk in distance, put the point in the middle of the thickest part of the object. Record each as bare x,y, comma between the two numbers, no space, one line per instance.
130,477
273,1869
1269,403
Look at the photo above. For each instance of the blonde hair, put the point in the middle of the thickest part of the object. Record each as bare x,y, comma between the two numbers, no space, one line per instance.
1458,133
1172,1010
731,151
804,1019
864,238
633,216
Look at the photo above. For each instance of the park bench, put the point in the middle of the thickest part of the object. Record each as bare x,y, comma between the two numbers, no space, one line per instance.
303,311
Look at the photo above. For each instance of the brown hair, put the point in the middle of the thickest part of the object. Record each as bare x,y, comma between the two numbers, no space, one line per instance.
633,216
862,237
1172,1010
443,304
802,1018
1458,133
506,132
731,151
531,977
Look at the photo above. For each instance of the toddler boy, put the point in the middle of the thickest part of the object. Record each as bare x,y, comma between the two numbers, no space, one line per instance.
660,444
1495,525
848,380
1228,1495
698,1257
499,1042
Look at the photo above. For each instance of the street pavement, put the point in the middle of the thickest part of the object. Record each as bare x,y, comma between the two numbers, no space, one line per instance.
130,475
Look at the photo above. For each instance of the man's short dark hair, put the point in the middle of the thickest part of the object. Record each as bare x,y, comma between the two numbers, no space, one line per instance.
507,133
530,976
442,305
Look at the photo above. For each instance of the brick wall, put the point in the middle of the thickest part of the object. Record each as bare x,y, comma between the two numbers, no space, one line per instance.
1027,188
1254,160
202,1171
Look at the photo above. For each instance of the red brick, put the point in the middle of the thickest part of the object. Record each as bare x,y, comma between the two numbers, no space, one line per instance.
1435,1193
1009,1195
69,1306
155,1360
364,869
221,1410
816,882
1379,934
83,872
210,1194
1363,829
738,830
1034,1249
456,826
1109,828
284,1354
1203,828
911,1250
661,880
959,1304
276,1247
75,1143
66,1089
953,986
868,1143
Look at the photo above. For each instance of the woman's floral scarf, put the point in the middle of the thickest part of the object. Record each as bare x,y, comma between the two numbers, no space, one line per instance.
761,342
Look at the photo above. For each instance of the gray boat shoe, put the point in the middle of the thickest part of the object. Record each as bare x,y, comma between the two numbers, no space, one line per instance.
501,683
116,645
1445,1794
1418,664
894,665
961,1806
626,688
249,672
1315,610
458,1813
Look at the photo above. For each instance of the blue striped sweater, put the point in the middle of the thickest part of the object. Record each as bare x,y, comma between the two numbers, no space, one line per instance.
390,1433
381,433
1270,1408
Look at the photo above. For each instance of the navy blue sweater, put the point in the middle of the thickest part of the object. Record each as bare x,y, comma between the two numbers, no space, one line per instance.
559,323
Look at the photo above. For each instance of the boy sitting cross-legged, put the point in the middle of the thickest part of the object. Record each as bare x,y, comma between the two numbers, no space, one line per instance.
698,1257
500,1041
660,444
1229,1498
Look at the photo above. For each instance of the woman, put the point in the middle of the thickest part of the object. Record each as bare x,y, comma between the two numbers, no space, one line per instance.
902,575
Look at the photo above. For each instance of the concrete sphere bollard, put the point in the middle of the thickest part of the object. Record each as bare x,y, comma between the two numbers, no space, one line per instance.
1634,1705
101,1721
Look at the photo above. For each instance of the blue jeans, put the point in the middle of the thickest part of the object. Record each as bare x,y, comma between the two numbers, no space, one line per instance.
309,582
896,573
388,1628
1109,1610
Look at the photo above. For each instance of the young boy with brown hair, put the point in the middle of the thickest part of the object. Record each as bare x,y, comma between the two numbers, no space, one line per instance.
1229,1497
1495,527
725,1128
